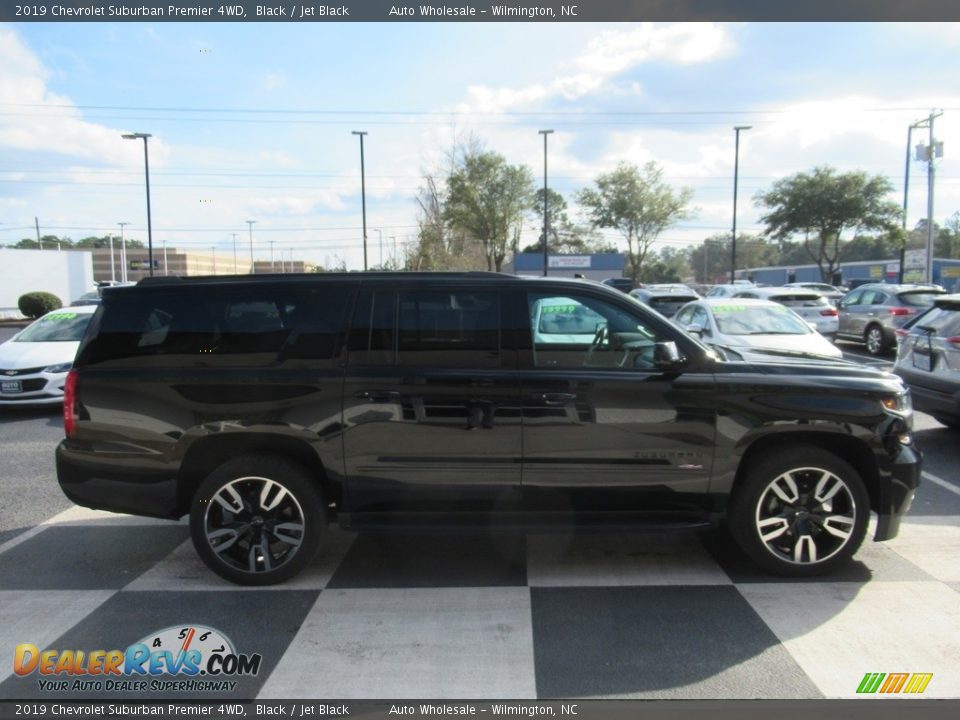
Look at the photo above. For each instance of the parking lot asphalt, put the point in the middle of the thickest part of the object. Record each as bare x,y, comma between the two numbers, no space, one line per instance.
541,616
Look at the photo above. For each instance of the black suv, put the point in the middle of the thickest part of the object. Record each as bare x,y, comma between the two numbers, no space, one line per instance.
268,406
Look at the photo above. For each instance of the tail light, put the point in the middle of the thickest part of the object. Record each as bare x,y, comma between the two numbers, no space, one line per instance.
955,340
70,404
829,312
901,333
901,311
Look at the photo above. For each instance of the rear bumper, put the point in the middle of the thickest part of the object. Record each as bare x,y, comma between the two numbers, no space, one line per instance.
898,484
933,402
114,482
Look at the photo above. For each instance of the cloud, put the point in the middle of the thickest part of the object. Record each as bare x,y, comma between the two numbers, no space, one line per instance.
44,121
607,56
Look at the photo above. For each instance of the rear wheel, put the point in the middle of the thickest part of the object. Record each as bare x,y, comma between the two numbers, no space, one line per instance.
874,340
800,512
257,519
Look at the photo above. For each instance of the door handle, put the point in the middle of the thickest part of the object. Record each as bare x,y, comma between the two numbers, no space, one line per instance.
377,396
555,398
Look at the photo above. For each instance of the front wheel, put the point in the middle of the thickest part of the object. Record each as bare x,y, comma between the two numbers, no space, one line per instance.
257,519
800,513
874,340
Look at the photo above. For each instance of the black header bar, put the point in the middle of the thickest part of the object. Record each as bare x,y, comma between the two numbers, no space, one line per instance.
478,11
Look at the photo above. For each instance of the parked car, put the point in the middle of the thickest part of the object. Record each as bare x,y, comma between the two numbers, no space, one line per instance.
623,284
267,407
665,299
808,304
830,292
729,289
34,362
871,313
90,298
928,359
752,329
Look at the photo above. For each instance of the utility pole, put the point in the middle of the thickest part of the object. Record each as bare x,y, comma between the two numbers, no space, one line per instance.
214,248
931,154
113,269
273,267
250,226
363,196
736,172
123,253
906,195
546,219
36,222
234,253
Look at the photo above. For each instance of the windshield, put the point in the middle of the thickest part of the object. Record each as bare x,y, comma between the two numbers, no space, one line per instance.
758,320
62,326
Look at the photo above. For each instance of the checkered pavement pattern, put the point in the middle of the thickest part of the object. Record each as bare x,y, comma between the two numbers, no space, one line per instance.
670,616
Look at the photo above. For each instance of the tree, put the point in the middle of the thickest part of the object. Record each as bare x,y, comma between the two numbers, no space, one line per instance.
823,205
487,199
637,203
566,237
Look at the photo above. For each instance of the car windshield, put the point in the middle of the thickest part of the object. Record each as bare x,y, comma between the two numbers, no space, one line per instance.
737,319
59,326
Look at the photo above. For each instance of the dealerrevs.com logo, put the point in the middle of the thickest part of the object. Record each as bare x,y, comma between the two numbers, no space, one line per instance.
202,658
894,683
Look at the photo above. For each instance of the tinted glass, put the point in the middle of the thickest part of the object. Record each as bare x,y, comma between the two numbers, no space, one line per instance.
448,328
800,300
197,326
58,326
373,330
918,299
945,322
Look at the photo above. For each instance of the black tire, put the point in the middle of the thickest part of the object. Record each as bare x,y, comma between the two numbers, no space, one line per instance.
274,509
875,340
815,534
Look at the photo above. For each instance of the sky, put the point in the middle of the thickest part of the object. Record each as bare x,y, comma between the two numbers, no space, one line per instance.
253,121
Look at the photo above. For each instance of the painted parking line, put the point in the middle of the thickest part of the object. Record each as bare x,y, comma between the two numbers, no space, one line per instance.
941,482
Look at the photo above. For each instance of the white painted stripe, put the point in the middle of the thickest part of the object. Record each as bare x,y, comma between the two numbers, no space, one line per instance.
941,482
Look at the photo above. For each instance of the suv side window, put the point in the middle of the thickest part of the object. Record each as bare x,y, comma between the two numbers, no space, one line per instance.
442,328
578,331
854,298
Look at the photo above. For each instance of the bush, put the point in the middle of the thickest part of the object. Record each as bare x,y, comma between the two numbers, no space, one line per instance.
35,304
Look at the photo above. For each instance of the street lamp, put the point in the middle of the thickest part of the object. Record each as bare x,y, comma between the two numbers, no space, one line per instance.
736,172
146,167
363,196
546,220
250,226
379,232
123,253
234,253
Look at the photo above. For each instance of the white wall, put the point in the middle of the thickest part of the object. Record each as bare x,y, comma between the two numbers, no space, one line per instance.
68,275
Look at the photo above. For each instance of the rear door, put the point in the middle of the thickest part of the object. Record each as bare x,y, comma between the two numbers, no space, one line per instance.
431,406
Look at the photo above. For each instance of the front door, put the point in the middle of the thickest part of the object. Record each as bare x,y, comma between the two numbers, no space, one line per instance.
605,429
431,407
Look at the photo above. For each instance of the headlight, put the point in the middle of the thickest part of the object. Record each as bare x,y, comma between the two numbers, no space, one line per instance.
899,404
61,368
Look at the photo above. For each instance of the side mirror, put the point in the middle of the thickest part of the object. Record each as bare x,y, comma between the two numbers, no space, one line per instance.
695,330
666,356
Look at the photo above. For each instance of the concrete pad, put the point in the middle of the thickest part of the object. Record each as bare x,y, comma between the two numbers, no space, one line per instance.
40,618
839,632
935,547
612,560
184,570
411,643
85,516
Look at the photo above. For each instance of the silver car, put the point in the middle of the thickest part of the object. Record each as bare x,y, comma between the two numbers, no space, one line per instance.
872,313
928,360
812,306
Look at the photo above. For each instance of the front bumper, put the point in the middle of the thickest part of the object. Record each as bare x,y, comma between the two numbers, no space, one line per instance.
36,389
898,484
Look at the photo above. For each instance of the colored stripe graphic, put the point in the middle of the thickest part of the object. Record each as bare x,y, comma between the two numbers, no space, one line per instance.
870,682
918,682
895,682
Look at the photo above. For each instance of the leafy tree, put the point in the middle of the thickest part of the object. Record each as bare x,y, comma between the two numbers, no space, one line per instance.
637,203
487,200
566,237
669,266
822,205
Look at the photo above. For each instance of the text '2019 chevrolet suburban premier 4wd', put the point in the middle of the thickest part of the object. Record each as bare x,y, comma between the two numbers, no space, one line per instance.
267,407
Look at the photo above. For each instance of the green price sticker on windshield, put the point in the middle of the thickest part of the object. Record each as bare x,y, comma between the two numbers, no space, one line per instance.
60,317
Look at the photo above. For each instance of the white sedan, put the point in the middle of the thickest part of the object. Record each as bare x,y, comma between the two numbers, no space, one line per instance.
747,329
34,363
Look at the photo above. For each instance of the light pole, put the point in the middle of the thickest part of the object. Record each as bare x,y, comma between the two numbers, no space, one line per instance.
234,253
546,218
113,269
273,266
123,253
736,172
250,226
906,195
146,167
363,195
379,232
